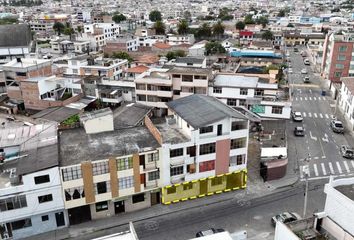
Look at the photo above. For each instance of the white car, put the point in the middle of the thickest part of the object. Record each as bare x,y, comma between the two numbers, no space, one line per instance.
290,70
297,117
304,71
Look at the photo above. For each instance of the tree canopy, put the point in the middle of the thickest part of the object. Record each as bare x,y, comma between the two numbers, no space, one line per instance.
182,27
203,31
262,20
218,29
248,19
159,28
122,55
117,18
59,28
155,16
175,54
214,48
267,35
240,25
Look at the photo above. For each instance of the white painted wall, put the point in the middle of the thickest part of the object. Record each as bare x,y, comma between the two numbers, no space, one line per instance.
282,232
99,124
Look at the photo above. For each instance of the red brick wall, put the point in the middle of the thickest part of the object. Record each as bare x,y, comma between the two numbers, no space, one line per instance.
334,60
222,156
153,130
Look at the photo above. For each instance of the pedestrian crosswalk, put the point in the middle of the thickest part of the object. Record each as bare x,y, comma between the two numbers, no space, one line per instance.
325,169
309,98
316,115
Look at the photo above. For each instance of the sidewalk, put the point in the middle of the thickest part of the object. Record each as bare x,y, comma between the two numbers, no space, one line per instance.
256,188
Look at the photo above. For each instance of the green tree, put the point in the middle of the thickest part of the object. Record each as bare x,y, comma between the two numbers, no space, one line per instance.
290,25
182,27
218,29
122,55
187,15
240,25
281,13
248,19
214,48
175,54
117,18
58,28
79,29
155,16
267,35
159,28
203,31
262,20
69,31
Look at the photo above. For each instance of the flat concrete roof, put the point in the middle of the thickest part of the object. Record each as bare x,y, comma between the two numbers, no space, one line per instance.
76,146
346,190
170,133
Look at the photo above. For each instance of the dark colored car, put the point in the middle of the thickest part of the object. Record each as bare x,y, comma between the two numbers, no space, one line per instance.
285,217
299,131
208,232
347,151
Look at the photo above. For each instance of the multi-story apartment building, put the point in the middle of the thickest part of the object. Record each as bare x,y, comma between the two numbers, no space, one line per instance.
204,149
264,99
85,65
113,171
156,87
97,39
110,30
43,26
180,39
338,56
31,200
345,100
292,38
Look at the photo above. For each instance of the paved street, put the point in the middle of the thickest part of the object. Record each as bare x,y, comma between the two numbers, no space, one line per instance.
320,145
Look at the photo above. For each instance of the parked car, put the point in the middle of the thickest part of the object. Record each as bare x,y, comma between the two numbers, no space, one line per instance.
347,151
304,71
306,79
299,131
297,116
290,70
337,126
208,232
306,61
285,217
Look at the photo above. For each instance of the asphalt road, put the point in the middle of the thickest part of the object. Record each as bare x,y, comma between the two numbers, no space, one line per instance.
320,145
234,216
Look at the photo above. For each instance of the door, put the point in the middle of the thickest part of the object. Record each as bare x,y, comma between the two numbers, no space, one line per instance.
119,207
219,130
155,198
59,217
79,214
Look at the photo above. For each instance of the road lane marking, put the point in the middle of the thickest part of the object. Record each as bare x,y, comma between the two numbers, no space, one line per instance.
352,162
326,115
300,98
339,167
323,156
310,98
331,168
296,99
305,98
323,98
315,115
310,91
315,169
321,116
302,172
304,114
310,115
346,166
314,98
325,139
312,137
323,169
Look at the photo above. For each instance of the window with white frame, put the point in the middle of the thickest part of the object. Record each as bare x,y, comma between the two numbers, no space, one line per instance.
99,168
152,157
231,102
153,175
206,148
126,182
243,91
277,109
71,173
176,171
124,163
102,187
74,193
217,90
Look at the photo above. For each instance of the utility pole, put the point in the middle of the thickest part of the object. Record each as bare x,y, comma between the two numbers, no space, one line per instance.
306,172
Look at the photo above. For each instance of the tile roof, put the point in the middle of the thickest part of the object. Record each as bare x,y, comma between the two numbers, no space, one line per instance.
137,69
162,45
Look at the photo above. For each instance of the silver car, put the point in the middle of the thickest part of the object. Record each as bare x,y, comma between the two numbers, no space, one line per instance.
285,217
337,126
297,117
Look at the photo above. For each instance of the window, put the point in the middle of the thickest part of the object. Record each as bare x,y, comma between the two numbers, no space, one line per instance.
243,91
102,187
45,198
101,206
171,190
41,179
187,78
153,175
71,173
231,102
176,152
200,77
207,166
238,125
74,193
217,90
277,110
126,182
140,86
207,148
216,181
343,48
259,92
337,74
176,171
152,157
11,203
124,163
351,67
176,75
238,143
187,186
339,66
100,168
22,74
207,129
45,218
240,159
242,102
141,97
138,198
21,224
341,58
